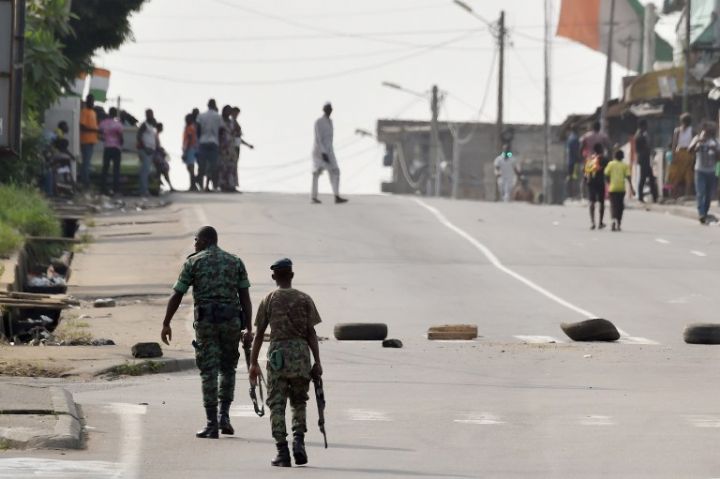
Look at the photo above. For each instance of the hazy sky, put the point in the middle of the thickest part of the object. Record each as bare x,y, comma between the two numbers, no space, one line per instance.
280,60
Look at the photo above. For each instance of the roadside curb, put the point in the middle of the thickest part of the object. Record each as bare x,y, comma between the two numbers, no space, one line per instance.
31,430
683,211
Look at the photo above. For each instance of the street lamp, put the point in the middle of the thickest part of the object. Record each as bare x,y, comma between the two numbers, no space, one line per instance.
364,132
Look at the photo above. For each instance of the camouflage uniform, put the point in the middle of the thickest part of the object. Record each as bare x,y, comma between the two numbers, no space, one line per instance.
216,276
290,314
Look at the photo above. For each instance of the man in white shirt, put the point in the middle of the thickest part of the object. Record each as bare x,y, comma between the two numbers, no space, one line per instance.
147,144
681,171
210,124
506,172
324,156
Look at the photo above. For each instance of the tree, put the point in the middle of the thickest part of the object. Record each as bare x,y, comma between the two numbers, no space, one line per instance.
97,24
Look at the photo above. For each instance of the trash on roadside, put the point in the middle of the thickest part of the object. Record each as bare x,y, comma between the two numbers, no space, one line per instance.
104,303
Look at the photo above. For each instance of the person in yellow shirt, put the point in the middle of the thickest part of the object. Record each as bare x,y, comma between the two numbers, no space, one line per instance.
616,173
88,138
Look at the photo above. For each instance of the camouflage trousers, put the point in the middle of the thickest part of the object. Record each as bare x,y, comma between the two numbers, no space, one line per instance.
216,355
280,389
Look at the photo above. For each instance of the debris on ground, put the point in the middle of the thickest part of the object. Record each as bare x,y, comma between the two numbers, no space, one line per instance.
104,303
453,332
392,343
147,350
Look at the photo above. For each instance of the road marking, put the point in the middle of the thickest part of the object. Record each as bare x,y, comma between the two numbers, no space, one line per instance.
131,444
538,339
597,421
242,411
704,421
698,253
367,415
482,419
662,241
527,282
33,468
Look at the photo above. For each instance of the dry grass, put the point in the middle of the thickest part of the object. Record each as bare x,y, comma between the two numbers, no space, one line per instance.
30,370
74,332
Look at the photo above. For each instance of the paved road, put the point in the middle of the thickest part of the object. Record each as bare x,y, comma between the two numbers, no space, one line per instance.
520,401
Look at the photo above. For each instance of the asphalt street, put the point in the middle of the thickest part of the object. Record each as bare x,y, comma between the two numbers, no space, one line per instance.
520,401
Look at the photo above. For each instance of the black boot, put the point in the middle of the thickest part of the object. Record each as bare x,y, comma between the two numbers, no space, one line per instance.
299,449
283,456
224,419
211,429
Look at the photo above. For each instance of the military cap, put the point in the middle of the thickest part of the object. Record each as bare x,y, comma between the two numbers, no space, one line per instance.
284,263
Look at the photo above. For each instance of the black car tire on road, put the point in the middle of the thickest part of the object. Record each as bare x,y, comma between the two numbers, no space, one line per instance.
596,329
361,331
702,333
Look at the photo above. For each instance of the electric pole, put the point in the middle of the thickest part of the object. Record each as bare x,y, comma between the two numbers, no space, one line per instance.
686,80
434,157
502,33
546,153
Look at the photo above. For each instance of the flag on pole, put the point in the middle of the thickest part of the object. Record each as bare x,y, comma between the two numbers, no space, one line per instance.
588,22
99,84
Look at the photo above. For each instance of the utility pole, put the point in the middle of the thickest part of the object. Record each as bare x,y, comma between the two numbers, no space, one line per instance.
546,156
502,33
686,80
434,157
608,68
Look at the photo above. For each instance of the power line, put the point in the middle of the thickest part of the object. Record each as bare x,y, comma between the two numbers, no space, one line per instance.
311,78
309,27
317,36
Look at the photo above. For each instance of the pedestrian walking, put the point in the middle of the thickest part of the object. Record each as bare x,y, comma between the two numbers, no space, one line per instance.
88,139
705,148
291,316
324,156
210,123
506,173
594,173
681,170
112,135
222,310
644,152
189,149
227,163
617,172
147,144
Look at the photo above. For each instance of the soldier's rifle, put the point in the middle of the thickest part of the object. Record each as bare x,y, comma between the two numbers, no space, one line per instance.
259,409
320,397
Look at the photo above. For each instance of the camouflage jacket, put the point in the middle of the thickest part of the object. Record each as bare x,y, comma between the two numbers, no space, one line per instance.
290,314
215,276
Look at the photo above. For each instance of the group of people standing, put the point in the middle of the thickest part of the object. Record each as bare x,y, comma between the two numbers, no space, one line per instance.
212,141
693,167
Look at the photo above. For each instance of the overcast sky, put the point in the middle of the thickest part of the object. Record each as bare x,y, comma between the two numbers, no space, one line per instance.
280,60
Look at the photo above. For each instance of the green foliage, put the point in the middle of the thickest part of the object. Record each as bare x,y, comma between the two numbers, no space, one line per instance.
10,240
25,210
98,24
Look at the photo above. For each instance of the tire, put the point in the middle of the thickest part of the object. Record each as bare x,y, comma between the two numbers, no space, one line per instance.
702,333
596,329
361,331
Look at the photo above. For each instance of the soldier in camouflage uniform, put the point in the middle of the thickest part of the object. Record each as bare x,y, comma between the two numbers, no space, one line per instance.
222,302
291,316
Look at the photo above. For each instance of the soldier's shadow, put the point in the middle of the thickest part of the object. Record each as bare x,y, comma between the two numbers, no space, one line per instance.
319,445
388,472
